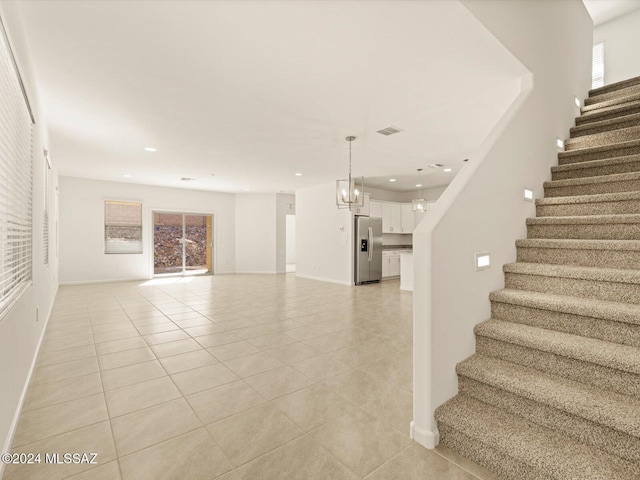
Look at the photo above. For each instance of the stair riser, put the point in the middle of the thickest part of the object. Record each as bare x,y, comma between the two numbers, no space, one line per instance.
610,331
599,231
599,139
507,468
612,102
586,431
608,113
627,167
614,87
622,259
610,291
577,370
595,208
623,92
632,185
565,158
610,126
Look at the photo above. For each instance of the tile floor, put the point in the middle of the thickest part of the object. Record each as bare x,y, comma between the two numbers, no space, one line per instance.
229,377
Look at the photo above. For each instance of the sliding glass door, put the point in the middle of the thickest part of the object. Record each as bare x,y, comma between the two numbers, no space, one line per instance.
182,243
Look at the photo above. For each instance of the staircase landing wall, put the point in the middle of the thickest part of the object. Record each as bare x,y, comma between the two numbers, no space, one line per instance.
483,208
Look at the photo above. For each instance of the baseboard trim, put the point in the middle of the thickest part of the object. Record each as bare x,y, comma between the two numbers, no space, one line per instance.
321,279
426,438
252,272
112,280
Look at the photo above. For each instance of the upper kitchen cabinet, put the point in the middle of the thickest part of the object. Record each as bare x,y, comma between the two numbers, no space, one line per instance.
375,209
364,210
396,217
408,220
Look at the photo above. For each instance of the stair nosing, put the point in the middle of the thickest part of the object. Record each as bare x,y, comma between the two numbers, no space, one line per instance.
609,133
599,148
612,102
625,218
594,198
610,178
594,92
580,244
575,272
604,123
603,162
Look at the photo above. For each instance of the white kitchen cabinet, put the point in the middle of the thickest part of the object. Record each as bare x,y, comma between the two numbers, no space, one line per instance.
386,217
408,223
375,209
390,263
396,218
364,210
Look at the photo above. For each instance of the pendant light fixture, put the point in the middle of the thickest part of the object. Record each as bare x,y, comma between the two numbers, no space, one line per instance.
350,191
419,204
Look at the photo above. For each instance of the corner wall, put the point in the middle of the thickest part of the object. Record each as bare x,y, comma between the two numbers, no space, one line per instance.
256,236
621,37
323,236
82,257
482,209
21,330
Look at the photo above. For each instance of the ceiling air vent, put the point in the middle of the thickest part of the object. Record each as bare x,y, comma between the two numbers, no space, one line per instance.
187,179
390,130
435,165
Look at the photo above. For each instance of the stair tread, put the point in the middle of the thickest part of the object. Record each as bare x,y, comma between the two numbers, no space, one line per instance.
609,122
609,134
622,99
580,244
595,163
586,307
599,148
610,111
591,350
552,454
612,87
585,219
614,177
604,407
622,92
595,198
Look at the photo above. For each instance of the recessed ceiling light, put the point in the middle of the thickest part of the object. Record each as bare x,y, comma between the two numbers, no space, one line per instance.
298,174
150,149
448,170
418,185
392,179
126,175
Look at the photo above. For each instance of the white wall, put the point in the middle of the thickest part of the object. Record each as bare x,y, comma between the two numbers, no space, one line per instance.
21,330
482,209
82,257
285,204
290,255
621,38
256,233
323,236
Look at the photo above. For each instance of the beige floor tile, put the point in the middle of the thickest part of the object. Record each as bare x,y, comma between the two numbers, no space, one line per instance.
301,459
252,433
141,395
253,364
223,401
108,471
65,355
92,439
233,350
165,337
48,394
313,406
192,322
60,371
115,335
390,370
53,345
131,374
202,378
111,327
271,340
418,463
303,333
215,339
152,425
233,475
50,421
122,359
157,327
360,441
293,353
395,408
174,348
207,329
253,331
120,345
187,361
278,382
193,456
358,387
321,367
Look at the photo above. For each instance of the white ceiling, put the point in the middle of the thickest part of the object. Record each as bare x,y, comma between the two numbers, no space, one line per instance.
255,91
602,11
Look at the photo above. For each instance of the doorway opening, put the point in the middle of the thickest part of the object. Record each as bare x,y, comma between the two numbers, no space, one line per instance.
291,244
182,244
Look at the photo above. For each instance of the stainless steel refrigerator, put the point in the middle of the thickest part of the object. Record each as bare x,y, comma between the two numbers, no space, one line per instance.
368,250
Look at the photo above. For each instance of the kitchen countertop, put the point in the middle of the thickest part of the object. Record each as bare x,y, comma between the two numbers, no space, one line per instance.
397,247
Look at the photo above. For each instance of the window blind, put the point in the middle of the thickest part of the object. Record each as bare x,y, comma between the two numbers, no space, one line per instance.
15,182
45,224
597,72
122,227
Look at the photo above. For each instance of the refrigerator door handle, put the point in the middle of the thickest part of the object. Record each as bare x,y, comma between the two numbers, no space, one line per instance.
370,243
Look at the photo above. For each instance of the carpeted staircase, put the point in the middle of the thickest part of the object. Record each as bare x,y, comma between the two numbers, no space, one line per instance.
553,390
